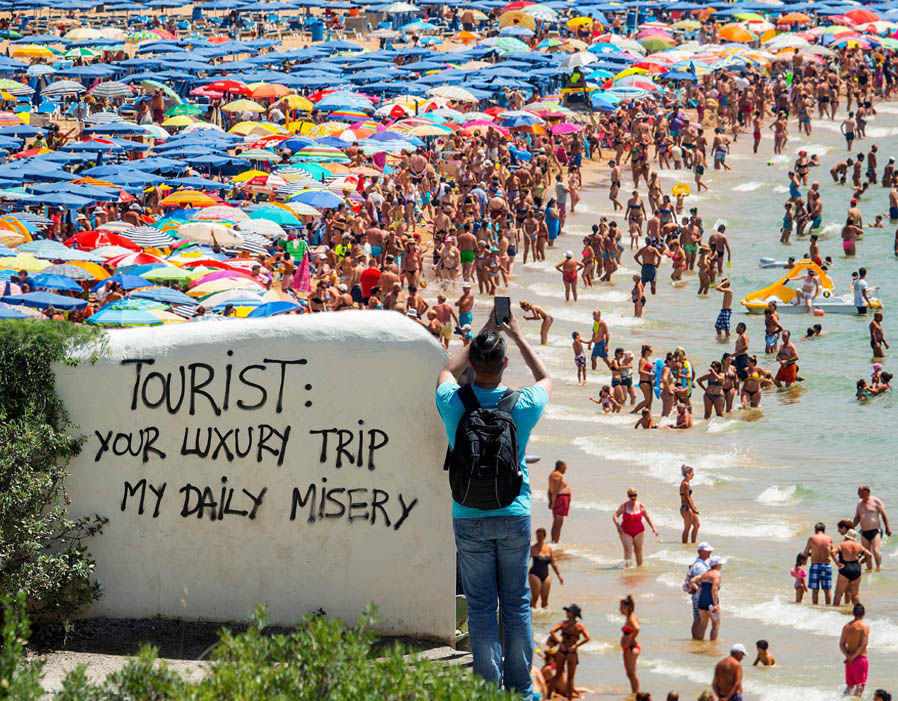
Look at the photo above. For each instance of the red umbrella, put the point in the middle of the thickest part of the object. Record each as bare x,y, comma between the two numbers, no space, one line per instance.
89,240
517,5
862,16
206,91
209,263
135,259
234,87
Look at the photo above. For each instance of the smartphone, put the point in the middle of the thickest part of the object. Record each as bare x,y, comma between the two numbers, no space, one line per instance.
502,309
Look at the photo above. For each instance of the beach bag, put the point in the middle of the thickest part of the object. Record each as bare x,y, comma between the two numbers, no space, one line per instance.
688,586
484,470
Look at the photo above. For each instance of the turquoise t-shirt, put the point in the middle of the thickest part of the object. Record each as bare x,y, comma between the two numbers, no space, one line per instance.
526,413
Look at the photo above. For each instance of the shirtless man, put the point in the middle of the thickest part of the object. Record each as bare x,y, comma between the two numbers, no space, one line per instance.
727,684
870,515
840,171
848,128
877,339
467,244
614,188
465,305
599,340
820,575
772,328
649,257
559,498
722,325
853,644
787,357
893,205
448,320
718,241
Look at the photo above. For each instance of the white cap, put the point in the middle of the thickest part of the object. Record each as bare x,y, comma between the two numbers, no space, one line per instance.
412,313
738,647
342,287
568,254
716,560
706,546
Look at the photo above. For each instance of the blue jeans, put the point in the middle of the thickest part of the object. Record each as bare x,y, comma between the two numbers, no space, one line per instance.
493,554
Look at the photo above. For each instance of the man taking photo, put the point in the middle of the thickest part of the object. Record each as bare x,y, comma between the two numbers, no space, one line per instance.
488,427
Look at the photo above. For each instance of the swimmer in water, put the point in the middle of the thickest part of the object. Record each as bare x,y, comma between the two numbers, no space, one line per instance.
538,314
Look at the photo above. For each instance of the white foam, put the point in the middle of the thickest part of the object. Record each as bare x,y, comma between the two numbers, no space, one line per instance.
778,495
671,580
813,619
678,557
880,132
593,557
747,187
718,425
781,189
598,292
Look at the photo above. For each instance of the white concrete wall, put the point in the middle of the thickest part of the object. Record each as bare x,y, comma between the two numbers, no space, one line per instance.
358,371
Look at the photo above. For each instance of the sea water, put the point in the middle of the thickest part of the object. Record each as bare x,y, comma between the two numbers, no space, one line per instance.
763,477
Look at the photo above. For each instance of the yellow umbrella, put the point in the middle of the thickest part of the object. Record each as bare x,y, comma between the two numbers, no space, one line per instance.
191,197
166,317
298,102
243,106
248,175
577,22
180,120
516,17
245,128
32,51
98,272
630,71
24,261
576,44
479,16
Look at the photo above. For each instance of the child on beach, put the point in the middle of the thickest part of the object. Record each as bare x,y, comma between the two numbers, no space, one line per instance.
863,391
786,228
579,358
606,401
645,421
800,576
764,658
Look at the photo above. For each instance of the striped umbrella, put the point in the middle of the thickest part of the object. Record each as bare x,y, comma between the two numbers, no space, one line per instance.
111,89
14,87
259,154
510,45
348,115
321,154
64,87
148,237
141,36
253,242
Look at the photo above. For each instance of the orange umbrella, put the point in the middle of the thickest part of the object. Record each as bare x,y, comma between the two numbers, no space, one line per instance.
793,17
270,91
733,32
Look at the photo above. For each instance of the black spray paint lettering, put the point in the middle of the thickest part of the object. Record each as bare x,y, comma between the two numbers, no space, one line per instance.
142,486
351,445
200,501
201,385
132,443
210,442
355,504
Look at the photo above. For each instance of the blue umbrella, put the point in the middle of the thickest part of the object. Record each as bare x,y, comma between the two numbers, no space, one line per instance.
56,282
128,282
10,313
123,317
318,198
273,308
164,294
44,300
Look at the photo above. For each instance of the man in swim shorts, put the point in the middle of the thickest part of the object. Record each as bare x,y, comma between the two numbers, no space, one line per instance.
465,306
870,517
649,258
853,644
727,684
559,498
698,567
599,340
820,576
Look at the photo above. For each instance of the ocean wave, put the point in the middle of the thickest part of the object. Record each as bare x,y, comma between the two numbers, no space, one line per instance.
584,316
880,132
748,187
781,189
777,496
678,557
598,292
817,620
590,556
719,425
591,413
672,580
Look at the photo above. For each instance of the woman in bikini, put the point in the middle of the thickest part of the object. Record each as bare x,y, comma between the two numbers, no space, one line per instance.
540,579
849,555
668,384
678,257
629,633
714,393
637,296
730,381
573,636
569,269
628,521
646,380
588,256
751,386
687,505
537,314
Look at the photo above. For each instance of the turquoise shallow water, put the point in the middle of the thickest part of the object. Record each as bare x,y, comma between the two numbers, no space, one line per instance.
763,476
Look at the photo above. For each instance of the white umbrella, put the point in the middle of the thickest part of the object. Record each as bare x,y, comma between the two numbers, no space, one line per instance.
207,232
265,227
452,92
64,87
543,13
200,126
220,211
399,7
581,58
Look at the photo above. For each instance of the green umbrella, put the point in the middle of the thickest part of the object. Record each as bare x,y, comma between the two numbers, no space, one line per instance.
80,52
156,85
167,273
656,44
183,108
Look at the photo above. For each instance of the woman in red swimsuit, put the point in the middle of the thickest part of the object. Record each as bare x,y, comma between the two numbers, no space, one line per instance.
628,640
628,521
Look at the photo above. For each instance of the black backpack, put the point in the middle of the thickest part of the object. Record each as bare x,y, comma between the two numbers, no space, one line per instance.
484,469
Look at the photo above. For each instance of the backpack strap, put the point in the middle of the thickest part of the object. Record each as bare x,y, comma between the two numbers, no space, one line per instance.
508,401
468,398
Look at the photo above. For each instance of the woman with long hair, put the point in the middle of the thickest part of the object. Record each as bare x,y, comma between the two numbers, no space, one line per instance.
628,643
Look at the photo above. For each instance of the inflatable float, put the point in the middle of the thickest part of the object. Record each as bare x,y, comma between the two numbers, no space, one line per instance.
774,263
784,293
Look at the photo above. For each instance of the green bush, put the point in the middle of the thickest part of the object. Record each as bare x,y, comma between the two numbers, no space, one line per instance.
42,553
320,659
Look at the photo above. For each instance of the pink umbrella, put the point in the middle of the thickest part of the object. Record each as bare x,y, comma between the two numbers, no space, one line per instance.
219,275
565,128
483,124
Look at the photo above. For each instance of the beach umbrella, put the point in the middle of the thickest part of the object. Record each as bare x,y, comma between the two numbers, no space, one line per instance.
541,13
581,58
322,198
90,240
453,92
862,16
142,36
321,154
577,22
185,108
94,271
233,87
298,102
10,312
279,215
167,274
64,87
163,294
24,261
263,227
736,33
399,8
123,317
80,52
225,284
510,45
110,90
274,308
515,18
243,106
793,17
657,43
181,120
268,91
127,282
45,300
232,214
32,51
56,282
210,233
69,270
191,198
